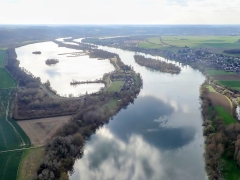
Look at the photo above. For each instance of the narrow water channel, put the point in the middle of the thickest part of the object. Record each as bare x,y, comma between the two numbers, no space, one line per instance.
158,137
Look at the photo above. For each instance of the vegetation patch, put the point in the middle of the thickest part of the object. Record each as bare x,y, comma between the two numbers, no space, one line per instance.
230,170
230,84
227,118
214,72
7,80
210,88
9,163
116,86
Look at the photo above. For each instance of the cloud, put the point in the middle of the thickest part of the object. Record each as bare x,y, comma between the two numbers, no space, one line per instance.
119,12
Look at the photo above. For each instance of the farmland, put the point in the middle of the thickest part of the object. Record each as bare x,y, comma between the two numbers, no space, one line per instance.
227,118
231,84
2,58
220,100
203,41
215,44
228,79
153,43
9,163
6,79
12,137
40,130
214,72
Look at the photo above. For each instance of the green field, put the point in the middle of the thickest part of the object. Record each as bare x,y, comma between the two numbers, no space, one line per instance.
203,41
227,118
9,163
230,170
115,86
210,88
154,43
230,84
2,58
11,137
7,80
215,44
218,72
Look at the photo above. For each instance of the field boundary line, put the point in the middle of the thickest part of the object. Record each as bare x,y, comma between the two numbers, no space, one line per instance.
21,149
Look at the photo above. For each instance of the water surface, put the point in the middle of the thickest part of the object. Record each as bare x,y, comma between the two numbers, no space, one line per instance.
81,68
158,137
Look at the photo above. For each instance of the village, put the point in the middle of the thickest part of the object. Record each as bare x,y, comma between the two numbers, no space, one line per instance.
185,55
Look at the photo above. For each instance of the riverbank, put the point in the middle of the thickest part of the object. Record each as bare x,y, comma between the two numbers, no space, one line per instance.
221,135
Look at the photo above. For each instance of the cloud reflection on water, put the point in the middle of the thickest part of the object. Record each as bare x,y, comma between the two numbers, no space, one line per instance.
138,145
109,157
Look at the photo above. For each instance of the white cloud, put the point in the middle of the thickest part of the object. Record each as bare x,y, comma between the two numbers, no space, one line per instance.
120,12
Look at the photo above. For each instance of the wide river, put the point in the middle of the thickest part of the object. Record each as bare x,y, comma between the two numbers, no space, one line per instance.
158,137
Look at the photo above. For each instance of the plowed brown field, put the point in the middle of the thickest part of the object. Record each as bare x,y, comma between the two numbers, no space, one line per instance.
220,100
41,130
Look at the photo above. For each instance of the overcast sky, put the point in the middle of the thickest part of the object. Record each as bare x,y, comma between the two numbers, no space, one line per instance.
119,11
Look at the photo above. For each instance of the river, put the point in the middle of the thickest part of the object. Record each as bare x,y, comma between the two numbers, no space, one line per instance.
158,137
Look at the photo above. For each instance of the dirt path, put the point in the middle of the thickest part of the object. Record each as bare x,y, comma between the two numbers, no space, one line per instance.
20,149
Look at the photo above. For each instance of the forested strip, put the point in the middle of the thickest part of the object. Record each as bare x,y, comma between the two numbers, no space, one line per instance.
157,64
222,143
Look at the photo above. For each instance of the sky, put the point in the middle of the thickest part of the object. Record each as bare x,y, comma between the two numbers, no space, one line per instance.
119,11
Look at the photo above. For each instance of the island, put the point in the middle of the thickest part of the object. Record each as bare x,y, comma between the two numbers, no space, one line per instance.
37,52
51,61
157,65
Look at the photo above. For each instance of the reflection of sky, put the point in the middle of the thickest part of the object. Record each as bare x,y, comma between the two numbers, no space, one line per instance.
157,137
